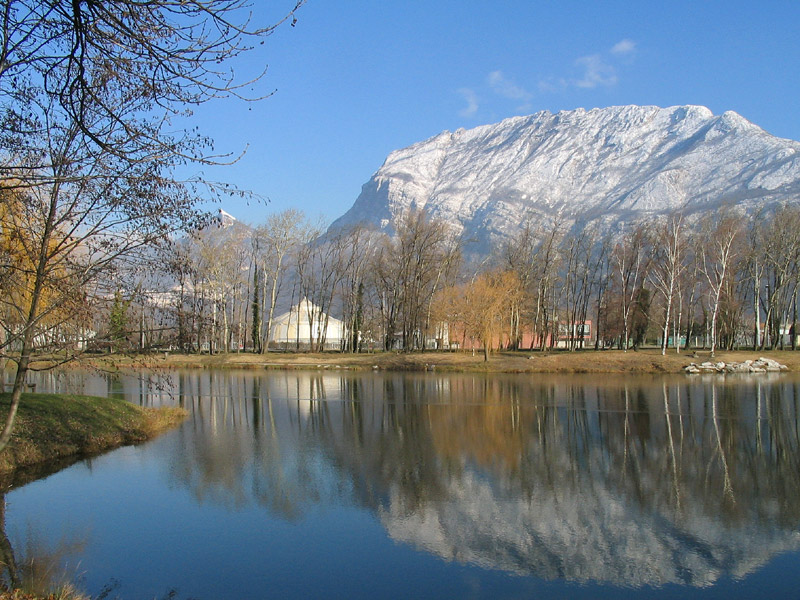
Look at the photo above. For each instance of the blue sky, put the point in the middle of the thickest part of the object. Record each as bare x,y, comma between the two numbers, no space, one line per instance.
355,80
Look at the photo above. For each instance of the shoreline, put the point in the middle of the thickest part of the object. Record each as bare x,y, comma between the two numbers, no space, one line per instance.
54,430
557,361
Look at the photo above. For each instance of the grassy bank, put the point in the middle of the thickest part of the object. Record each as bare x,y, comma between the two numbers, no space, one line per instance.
52,427
586,361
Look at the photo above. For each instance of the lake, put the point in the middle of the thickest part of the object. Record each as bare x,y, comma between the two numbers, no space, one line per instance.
334,484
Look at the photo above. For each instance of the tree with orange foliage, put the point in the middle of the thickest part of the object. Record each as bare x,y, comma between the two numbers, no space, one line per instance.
482,307
58,301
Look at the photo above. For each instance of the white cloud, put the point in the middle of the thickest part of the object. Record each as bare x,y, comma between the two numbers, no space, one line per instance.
596,71
472,102
623,47
505,87
552,85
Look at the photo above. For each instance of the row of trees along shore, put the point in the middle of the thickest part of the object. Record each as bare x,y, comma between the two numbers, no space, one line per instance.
718,281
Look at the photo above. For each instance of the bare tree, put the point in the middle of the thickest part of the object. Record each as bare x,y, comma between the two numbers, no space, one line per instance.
387,291
359,248
221,253
601,276
320,269
119,69
755,269
97,211
577,280
547,261
87,94
630,259
718,251
780,257
519,256
274,243
410,267
668,265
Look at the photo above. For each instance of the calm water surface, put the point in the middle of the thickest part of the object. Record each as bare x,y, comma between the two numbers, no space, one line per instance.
334,485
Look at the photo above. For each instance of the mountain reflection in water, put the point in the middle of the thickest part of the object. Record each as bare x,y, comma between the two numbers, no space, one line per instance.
628,481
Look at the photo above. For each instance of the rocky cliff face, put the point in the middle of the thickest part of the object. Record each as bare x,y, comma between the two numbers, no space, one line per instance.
609,165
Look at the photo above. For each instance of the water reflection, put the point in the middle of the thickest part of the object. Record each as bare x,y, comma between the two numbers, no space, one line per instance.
632,482
36,567
610,484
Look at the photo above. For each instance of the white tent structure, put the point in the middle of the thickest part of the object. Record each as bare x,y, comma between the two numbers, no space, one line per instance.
302,328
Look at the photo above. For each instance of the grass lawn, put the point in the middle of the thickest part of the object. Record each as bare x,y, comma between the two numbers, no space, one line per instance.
50,427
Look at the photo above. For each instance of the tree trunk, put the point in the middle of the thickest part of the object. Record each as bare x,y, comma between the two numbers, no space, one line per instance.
757,312
794,322
6,551
27,340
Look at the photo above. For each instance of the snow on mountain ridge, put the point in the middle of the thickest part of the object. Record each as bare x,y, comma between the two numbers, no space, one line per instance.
608,164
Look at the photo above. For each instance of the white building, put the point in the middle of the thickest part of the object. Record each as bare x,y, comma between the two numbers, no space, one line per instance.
303,326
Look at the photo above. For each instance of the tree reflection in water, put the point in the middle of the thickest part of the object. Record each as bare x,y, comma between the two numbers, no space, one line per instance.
631,481
37,567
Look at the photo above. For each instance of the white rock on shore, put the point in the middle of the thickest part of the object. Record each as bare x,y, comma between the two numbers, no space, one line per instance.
762,365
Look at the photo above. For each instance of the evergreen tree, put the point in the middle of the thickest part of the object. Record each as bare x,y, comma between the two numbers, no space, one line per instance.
118,322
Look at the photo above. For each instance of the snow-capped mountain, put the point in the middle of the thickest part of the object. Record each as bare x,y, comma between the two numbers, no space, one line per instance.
608,165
